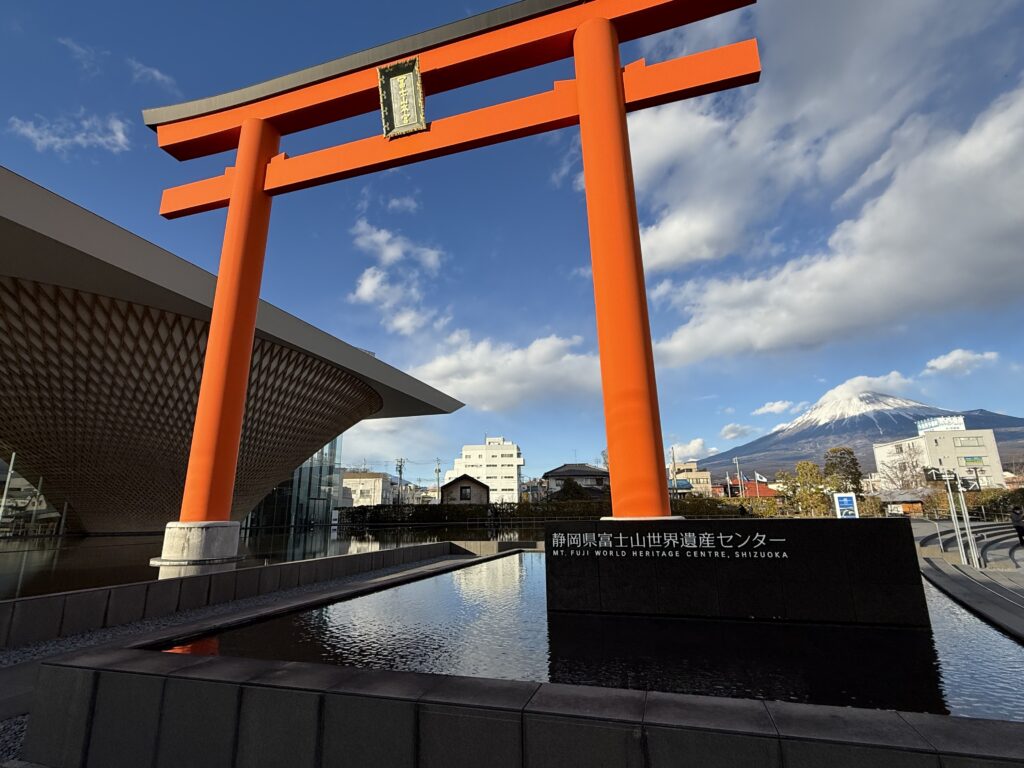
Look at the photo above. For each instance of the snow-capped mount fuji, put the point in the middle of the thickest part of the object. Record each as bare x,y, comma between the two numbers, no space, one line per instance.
858,420
884,410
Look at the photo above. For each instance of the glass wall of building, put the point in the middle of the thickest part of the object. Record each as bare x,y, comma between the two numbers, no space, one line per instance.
308,497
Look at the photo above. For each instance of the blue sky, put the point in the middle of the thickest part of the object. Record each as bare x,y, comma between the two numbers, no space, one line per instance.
852,222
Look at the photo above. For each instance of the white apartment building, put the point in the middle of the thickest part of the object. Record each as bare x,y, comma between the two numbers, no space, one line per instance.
972,453
369,488
497,463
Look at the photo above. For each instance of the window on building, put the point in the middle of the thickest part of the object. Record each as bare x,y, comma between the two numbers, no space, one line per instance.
967,442
465,493
897,449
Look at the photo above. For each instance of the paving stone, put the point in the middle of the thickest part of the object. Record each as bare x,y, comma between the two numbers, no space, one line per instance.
849,725
671,747
194,593
303,675
270,579
279,727
384,683
35,619
132,660
222,587
558,742
126,604
247,583
6,610
469,737
678,710
489,693
84,611
227,669
798,753
198,724
161,598
340,566
58,730
350,719
125,721
307,573
588,702
970,737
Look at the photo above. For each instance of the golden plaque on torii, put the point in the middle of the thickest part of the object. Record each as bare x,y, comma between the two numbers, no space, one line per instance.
401,98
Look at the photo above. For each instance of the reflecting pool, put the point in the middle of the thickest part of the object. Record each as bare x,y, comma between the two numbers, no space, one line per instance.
490,620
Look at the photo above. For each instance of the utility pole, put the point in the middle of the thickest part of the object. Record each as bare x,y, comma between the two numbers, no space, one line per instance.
437,478
10,470
739,475
399,467
673,485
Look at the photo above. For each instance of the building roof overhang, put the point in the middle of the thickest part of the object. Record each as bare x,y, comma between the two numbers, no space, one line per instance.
49,239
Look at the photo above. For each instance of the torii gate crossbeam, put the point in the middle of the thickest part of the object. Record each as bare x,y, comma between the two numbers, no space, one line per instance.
523,35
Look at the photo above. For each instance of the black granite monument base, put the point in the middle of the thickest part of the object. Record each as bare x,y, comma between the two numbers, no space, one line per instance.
820,571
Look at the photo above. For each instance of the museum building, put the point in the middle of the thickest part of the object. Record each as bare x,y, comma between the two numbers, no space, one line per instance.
102,339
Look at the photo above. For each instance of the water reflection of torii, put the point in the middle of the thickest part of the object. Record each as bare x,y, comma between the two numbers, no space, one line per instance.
516,37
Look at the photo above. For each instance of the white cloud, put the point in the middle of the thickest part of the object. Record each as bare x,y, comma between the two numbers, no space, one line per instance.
405,204
902,256
891,382
494,376
800,407
390,248
382,440
82,131
775,406
145,74
585,272
693,450
88,58
735,431
714,171
960,362
396,286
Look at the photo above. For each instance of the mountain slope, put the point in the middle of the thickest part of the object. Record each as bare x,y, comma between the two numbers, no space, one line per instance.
857,421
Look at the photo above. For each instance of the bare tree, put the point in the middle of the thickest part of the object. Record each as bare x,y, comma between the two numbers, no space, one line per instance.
906,472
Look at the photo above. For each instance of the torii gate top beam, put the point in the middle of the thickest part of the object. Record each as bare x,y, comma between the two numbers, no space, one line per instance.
508,39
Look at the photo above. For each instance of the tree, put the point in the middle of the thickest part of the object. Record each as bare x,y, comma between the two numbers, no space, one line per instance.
842,470
807,489
571,491
906,472
604,458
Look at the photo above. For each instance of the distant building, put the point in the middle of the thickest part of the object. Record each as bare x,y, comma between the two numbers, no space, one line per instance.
532,490
699,479
370,488
587,476
972,453
465,489
497,463
941,424
750,489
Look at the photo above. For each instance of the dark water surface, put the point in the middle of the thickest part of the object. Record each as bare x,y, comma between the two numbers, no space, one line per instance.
43,565
490,620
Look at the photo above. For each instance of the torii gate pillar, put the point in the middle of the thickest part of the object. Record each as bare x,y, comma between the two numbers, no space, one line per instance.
632,421
205,539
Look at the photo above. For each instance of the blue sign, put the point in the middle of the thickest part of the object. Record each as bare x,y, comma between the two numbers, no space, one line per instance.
846,505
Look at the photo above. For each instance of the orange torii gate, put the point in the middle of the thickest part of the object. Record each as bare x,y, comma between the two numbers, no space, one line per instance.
516,37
